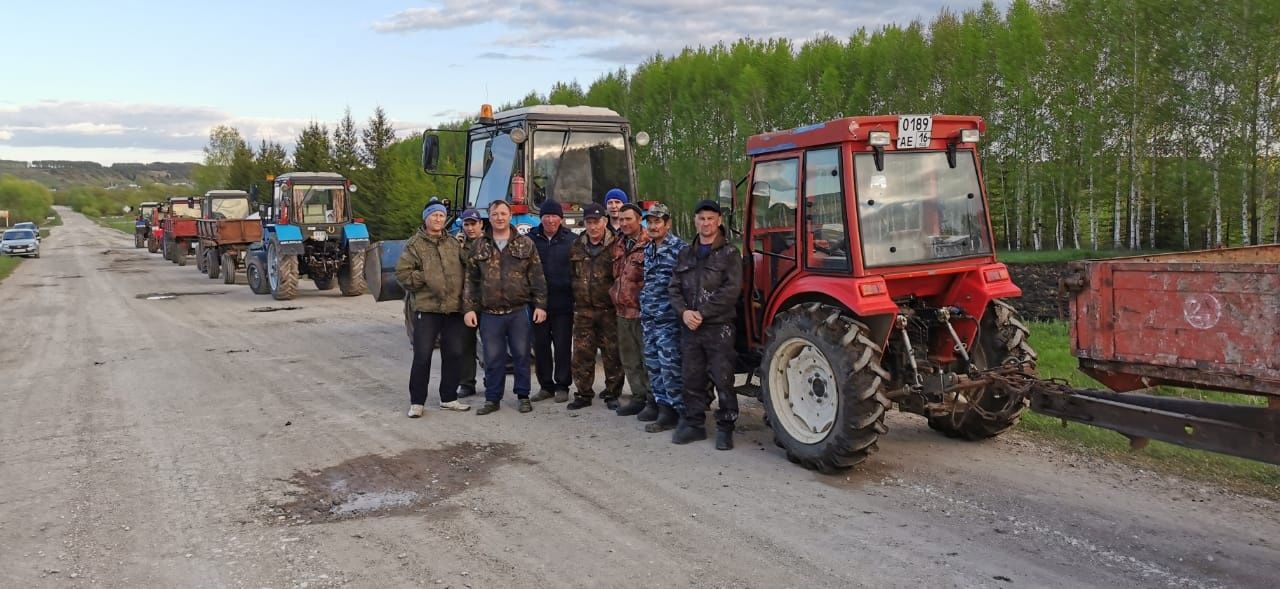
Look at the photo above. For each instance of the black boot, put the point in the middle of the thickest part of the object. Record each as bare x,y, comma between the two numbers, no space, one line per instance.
667,419
689,431
633,407
724,439
649,413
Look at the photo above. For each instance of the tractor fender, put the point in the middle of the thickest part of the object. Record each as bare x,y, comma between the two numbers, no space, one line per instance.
355,236
287,238
974,290
380,270
866,298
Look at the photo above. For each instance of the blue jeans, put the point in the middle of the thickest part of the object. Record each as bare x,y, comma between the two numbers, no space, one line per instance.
502,335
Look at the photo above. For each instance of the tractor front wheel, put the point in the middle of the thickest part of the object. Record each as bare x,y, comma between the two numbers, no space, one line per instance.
282,274
821,387
1002,339
351,275
255,273
325,283
152,245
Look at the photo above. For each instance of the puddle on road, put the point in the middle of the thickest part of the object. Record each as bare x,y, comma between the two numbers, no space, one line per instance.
161,296
272,309
375,486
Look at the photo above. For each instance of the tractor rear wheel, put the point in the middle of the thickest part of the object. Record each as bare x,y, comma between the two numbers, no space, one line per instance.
351,275
255,273
1002,339
228,266
282,274
821,387
212,263
138,241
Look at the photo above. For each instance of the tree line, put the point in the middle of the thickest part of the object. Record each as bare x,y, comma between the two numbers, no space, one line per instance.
1111,123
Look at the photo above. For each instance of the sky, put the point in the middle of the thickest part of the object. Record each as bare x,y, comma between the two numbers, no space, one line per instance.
142,81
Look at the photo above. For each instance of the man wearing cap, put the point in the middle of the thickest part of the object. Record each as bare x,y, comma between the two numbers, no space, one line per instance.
704,292
613,201
595,324
553,338
504,280
431,271
628,279
472,229
660,322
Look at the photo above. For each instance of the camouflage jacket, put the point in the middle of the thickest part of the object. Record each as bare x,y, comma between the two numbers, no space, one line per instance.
592,274
709,285
431,271
628,274
659,265
504,280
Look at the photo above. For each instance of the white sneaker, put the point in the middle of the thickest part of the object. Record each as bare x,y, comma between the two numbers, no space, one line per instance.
415,410
455,406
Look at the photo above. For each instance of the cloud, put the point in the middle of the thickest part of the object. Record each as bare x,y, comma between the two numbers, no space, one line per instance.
91,127
512,56
628,31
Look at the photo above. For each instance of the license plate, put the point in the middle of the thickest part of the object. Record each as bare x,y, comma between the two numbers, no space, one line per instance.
914,131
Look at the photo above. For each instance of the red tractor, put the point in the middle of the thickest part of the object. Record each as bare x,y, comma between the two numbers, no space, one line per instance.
179,225
871,280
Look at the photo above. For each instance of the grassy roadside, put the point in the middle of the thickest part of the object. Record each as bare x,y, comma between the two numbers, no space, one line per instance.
7,264
1051,342
121,224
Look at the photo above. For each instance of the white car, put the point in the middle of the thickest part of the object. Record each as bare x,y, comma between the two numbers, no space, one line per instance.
20,242
29,226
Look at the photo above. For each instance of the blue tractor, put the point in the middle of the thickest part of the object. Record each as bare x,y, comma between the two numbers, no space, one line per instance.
526,156
308,230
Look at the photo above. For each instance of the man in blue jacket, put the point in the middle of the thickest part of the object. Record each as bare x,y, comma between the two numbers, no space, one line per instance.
659,320
553,338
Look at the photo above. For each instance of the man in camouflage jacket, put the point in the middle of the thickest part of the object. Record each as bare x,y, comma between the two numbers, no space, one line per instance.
659,320
595,324
504,280
628,276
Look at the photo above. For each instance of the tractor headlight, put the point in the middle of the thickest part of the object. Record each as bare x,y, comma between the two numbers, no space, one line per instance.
878,138
319,235
968,136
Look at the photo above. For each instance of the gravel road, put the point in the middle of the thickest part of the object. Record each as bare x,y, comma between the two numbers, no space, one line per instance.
149,440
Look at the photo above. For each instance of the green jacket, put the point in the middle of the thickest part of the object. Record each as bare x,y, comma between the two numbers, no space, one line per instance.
592,274
432,269
506,280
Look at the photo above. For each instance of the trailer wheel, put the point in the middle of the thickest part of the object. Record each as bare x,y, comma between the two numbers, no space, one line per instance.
180,253
212,263
255,273
202,259
821,387
1002,339
282,274
351,275
152,245
228,266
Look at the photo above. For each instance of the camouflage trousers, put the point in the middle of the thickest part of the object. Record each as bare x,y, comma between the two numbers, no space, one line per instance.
708,360
596,329
662,362
631,350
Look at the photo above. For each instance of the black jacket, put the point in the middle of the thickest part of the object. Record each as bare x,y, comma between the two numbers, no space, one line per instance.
710,285
554,253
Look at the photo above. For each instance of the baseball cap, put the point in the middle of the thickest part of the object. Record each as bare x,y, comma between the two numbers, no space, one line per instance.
470,214
593,211
658,209
707,205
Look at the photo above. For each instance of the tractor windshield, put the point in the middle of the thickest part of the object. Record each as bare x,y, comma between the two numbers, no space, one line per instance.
229,208
179,208
578,167
919,209
492,161
319,203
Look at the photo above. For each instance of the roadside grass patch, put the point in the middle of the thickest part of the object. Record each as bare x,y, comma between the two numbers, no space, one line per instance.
1066,255
121,224
1051,342
7,264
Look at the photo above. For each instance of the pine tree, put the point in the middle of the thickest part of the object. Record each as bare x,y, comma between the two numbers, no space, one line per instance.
312,151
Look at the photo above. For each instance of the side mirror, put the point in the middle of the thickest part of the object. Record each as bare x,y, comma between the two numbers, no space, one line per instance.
726,195
430,152
352,188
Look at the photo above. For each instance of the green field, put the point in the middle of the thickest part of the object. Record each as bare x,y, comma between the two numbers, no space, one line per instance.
1055,361
121,224
7,264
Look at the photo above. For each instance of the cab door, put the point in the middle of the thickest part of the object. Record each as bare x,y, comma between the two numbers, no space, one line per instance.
772,244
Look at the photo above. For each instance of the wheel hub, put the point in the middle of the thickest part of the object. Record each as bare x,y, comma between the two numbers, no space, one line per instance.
804,390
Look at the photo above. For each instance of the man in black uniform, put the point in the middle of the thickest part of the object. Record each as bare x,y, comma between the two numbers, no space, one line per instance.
704,292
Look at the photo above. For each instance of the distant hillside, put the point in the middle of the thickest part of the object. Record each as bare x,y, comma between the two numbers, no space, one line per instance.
61,174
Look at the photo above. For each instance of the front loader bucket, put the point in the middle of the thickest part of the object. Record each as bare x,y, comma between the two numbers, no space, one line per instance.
380,270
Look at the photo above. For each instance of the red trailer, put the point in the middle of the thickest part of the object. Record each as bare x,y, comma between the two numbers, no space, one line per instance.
179,226
1206,319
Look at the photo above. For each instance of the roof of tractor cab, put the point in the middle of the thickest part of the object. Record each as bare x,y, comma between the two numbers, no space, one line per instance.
227,193
149,203
560,112
312,177
173,199
945,127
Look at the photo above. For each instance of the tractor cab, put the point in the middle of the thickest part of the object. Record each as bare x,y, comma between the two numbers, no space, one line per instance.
529,155
145,210
870,279
226,204
184,207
